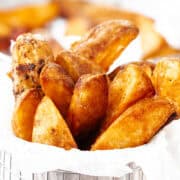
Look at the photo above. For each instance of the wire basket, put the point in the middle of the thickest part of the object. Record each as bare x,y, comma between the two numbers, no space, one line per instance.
8,172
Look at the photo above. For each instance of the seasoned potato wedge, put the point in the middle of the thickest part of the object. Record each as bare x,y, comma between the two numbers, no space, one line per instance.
146,66
104,43
50,127
88,105
30,53
23,116
166,78
129,85
76,65
137,125
57,85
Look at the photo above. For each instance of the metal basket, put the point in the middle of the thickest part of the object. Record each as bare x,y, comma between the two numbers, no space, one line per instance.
8,172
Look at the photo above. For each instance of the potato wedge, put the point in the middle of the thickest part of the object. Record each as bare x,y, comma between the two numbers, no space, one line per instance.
129,85
166,78
57,85
30,53
88,105
76,65
104,43
23,116
50,127
146,66
137,125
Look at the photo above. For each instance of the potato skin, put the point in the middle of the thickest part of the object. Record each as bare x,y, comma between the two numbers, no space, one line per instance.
166,79
129,85
104,43
57,85
147,67
88,105
137,125
76,65
30,53
50,127
23,115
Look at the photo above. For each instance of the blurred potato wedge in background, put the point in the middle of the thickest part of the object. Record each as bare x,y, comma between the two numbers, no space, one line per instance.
137,125
128,86
104,43
76,65
166,79
58,85
24,112
29,16
50,127
88,105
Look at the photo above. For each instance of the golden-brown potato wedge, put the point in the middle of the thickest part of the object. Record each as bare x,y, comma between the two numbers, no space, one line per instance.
137,125
23,116
76,65
57,85
30,53
146,66
104,43
166,79
88,105
50,127
129,85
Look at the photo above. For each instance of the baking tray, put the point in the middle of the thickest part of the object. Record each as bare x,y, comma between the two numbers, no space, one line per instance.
8,172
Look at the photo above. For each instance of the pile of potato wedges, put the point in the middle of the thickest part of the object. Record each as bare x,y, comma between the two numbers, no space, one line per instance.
72,101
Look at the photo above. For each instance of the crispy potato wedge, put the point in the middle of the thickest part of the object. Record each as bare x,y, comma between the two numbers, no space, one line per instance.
146,66
23,116
57,85
129,85
88,105
30,53
137,125
104,43
50,127
76,65
166,79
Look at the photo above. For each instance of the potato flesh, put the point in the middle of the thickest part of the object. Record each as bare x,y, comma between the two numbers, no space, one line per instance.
129,85
57,85
50,127
137,125
88,105
104,43
24,112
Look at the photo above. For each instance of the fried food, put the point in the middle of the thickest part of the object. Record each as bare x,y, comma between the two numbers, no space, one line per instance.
57,85
104,43
23,115
88,104
29,16
137,125
128,86
76,65
50,127
30,53
146,66
166,79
